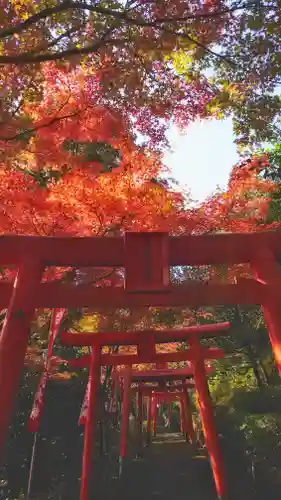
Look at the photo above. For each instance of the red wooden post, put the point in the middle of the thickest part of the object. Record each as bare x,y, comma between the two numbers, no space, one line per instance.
14,338
170,414
188,415
182,419
149,418
267,271
91,422
150,252
154,415
139,420
207,417
125,418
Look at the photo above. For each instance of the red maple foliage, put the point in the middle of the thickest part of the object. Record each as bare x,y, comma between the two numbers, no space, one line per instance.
128,50
243,207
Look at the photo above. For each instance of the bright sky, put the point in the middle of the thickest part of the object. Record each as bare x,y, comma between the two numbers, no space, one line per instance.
201,158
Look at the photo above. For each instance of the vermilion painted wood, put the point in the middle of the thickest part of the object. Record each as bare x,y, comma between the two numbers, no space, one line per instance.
162,397
139,406
149,420
51,295
146,347
184,250
135,359
267,271
173,395
162,366
188,416
63,251
14,338
208,421
261,249
182,415
90,426
158,375
146,376
133,337
147,389
154,415
125,416
150,251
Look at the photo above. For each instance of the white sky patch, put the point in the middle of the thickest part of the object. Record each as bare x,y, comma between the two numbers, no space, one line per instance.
202,156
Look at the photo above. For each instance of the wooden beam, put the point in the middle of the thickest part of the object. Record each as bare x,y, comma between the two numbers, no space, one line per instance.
135,338
151,253
168,396
141,376
147,390
63,251
223,248
135,359
230,248
54,295
149,376
6,290
170,357
161,375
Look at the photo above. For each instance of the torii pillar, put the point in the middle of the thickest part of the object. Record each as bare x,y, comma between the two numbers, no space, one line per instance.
266,271
191,435
139,419
125,418
207,418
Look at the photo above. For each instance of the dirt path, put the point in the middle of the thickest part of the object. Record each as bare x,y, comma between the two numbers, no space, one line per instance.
167,470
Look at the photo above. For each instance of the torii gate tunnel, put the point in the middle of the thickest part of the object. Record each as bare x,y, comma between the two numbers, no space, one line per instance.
146,341
146,258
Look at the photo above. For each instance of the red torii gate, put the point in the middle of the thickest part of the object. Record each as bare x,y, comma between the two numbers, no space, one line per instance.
165,393
147,284
167,396
146,341
156,380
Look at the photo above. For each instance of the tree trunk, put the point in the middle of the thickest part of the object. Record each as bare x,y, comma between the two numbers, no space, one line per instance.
255,364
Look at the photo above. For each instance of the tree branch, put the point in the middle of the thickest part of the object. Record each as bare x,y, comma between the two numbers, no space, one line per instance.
201,45
43,14
71,5
158,24
39,127
27,58
55,41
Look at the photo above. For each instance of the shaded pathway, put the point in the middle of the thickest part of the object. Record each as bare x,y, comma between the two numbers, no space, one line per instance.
168,469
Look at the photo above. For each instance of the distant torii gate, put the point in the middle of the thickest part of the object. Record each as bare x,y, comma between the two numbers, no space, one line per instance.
165,393
146,258
146,341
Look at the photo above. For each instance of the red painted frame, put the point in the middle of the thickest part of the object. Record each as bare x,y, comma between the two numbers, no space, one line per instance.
196,355
146,284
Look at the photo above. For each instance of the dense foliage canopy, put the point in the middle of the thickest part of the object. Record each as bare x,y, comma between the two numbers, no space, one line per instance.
150,61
